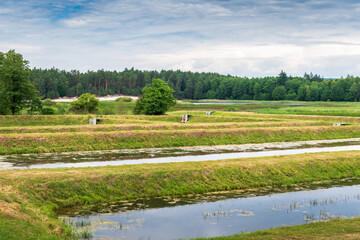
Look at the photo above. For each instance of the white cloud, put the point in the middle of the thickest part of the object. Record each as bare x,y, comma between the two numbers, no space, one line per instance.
6,10
75,22
20,47
236,37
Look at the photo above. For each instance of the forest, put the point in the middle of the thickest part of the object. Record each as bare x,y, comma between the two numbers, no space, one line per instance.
55,83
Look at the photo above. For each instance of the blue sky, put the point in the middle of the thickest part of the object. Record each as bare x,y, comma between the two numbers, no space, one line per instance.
243,38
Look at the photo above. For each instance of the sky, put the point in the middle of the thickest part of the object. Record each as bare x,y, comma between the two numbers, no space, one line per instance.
237,37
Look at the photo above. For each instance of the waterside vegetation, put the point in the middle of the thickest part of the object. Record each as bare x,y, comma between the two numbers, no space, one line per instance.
29,199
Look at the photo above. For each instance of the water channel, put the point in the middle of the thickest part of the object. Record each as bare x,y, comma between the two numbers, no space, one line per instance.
217,215
5,165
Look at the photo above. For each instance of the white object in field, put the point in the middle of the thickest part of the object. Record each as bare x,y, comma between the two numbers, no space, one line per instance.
185,118
209,113
339,124
94,121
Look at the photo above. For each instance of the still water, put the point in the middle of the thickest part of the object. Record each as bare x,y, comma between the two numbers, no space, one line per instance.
219,215
208,157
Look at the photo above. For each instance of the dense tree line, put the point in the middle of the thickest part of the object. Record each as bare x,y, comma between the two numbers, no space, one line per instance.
54,83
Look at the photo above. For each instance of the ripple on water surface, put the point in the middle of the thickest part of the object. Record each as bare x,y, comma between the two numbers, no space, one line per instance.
221,215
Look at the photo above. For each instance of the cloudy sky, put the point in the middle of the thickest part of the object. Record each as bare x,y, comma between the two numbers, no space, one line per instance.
238,37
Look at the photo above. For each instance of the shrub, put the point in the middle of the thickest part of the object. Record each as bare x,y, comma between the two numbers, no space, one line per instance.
48,102
47,111
35,106
86,103
124,99
61,109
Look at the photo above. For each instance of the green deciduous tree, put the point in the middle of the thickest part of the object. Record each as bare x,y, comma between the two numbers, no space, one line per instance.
304,93
279,93
156,100
86,103
354,91
16,90
338,90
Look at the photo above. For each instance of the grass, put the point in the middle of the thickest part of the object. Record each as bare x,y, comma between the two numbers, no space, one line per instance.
35,195
29,199
278,107
65,133
347,110
88,141
333,229
29,226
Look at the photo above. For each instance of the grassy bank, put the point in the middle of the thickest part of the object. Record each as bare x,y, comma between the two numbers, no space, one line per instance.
41,134
87,141
29,198
334,229
278,107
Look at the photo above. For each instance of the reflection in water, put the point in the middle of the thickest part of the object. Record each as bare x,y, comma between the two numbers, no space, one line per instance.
192,158
118,157
218,216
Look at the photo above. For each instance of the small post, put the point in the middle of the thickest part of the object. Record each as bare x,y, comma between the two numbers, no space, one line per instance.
185,118
92,121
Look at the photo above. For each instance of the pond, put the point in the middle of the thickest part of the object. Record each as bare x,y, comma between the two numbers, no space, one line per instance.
216,215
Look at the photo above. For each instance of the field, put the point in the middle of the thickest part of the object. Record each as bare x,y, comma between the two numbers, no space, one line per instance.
29,199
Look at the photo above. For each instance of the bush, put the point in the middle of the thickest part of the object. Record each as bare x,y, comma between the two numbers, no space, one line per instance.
48,102
35,106
61,109
86,103
124,99
47,111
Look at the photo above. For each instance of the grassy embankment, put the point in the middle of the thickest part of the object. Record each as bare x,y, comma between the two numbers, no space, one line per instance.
333,229
30,198
39,134
338,109
279,107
